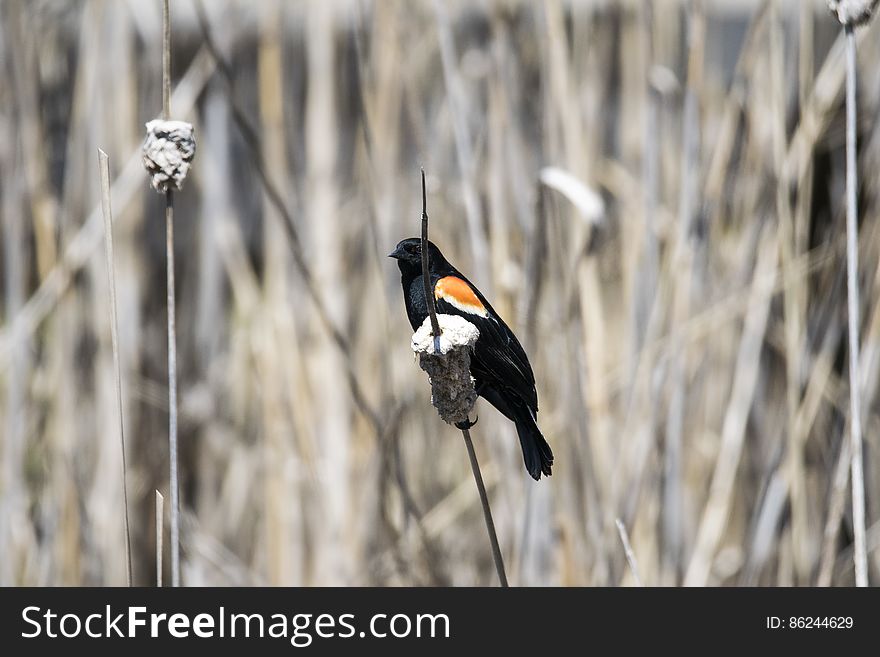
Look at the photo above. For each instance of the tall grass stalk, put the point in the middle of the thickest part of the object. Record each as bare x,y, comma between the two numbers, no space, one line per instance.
160,524
860,552
173,482
104,165
628,551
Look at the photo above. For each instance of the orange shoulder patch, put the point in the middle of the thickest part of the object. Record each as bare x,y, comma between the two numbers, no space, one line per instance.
459,294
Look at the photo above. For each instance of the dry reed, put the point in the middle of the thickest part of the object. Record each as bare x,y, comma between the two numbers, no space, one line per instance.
688,339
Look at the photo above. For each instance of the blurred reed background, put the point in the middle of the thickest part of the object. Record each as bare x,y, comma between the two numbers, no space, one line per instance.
652,193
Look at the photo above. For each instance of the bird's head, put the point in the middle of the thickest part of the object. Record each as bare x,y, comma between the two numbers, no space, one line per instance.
408,254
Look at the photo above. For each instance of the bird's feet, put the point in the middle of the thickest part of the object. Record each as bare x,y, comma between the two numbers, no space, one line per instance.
466,424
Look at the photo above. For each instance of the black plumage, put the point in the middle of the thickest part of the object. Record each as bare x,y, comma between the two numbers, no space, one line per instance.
499,365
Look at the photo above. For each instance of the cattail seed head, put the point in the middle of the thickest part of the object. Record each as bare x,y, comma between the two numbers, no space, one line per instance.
168,152
452,387
853,12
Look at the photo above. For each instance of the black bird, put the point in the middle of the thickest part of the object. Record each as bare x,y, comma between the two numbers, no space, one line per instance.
500,367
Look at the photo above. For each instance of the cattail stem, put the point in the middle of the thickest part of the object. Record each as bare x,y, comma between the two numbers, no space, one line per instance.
487,511
172,336
852,268
166,61
104,167
426,279
172,392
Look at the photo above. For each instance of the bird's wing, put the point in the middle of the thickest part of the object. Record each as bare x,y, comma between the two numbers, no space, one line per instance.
498,357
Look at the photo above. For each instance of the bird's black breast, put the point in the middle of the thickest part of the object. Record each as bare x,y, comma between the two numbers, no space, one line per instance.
416,305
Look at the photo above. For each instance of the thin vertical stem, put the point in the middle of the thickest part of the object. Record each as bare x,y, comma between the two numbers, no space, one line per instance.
172,337
104,167
172,392
628,551
160,517
852,269
426,279
487,511
166,60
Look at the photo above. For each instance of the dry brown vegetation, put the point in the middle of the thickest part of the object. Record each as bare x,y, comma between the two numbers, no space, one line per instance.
689,337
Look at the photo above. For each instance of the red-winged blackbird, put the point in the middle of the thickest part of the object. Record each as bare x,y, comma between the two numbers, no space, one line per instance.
500,368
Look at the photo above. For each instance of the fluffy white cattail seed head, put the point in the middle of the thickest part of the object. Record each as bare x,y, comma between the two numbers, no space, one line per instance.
168,151
853,12
452,387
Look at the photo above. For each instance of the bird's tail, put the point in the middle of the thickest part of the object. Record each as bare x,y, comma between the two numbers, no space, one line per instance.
537,455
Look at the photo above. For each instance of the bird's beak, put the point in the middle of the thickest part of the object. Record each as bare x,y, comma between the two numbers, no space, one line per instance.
396,253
